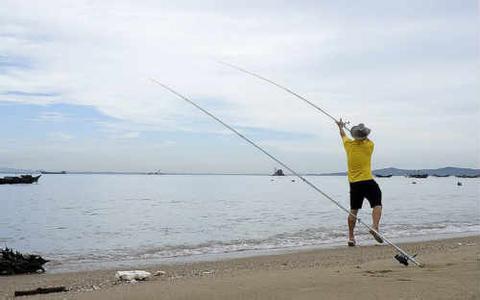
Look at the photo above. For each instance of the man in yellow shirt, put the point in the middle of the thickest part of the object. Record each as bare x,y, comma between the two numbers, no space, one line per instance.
359,154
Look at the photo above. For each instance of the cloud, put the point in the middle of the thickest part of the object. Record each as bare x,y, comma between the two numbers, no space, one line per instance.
59,137
384,63
51,116
128,135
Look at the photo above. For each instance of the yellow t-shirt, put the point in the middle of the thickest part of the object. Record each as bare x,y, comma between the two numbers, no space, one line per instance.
359,155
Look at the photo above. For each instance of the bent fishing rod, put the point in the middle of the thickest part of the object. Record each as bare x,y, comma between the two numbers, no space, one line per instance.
285,89
402,256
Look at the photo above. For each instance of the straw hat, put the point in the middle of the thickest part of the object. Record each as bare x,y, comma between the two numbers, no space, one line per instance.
360,132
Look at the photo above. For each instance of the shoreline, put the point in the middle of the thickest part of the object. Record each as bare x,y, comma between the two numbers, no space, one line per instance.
206,258
447,258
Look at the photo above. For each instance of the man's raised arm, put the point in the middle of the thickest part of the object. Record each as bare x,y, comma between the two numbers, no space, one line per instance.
341,124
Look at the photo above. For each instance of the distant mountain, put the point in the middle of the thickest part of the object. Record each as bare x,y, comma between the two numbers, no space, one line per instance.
327,174
451,171
16,171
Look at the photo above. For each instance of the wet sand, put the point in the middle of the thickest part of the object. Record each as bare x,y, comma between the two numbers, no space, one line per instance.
452,271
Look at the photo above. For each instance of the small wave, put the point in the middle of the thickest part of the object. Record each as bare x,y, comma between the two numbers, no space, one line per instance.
311,237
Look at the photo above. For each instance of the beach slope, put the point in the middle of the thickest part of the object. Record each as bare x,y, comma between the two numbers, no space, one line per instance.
452,272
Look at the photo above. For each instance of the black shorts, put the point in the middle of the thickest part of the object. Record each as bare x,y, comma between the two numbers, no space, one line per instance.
365,189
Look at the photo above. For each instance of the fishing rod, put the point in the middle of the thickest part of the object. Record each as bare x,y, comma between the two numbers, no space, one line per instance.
285,89
402,256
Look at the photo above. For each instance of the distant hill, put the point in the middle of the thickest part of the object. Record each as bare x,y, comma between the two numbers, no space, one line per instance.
16,171
452,171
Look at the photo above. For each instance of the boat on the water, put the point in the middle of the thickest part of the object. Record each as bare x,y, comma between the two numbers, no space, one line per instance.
278,172
468,176
437,175
52,172
155,173
19,179
417,175
383,176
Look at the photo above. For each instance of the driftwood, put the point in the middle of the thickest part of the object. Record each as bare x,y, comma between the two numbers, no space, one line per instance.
48,290
14,262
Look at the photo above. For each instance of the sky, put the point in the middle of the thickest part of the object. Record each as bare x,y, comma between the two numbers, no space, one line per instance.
75,92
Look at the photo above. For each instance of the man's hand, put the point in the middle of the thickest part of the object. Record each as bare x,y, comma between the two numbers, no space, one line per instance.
341,124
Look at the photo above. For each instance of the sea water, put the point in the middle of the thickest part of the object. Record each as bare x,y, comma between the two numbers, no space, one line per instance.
97,221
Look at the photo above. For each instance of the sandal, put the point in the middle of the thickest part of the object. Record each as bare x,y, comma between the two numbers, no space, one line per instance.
377,237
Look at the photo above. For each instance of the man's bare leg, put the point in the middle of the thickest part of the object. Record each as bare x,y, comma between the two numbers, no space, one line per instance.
351,224
376,216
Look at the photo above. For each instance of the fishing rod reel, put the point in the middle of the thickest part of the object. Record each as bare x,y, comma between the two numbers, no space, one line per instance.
403,259
344,124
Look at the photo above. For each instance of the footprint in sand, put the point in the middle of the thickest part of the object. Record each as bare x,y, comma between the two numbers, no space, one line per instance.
404,279
378,273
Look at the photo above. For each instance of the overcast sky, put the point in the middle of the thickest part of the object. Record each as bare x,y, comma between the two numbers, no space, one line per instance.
75,94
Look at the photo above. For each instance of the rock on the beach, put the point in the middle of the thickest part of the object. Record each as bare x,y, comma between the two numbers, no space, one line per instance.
132,275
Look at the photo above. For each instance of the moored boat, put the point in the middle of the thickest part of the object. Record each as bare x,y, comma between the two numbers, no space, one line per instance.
50,172
468,176
417,175
278,172
19,179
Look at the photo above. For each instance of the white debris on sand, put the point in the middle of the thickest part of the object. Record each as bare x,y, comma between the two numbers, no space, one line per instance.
207,272
132,276
160,273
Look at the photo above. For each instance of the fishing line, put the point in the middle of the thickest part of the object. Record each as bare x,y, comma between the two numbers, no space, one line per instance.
402,256
283,88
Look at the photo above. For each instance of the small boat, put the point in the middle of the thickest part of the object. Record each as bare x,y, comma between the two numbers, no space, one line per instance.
50,172
468,176
417,175
383,176
155,173
278,172
19,179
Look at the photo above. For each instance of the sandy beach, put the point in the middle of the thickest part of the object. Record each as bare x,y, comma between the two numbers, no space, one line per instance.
452,271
